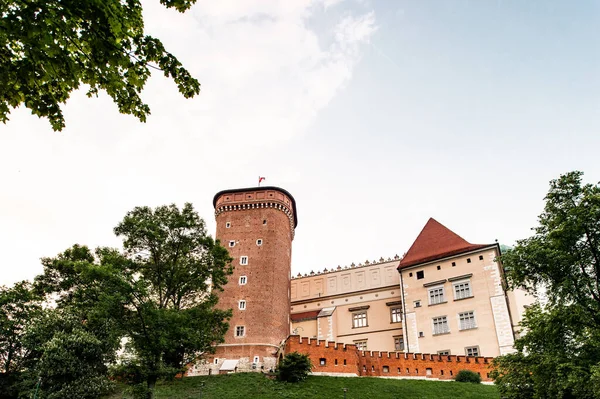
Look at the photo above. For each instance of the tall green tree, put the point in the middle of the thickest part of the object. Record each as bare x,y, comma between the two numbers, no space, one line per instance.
48,48
19,306
159,293
559,351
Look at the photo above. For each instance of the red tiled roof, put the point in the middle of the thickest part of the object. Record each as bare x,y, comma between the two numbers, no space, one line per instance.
436,241
311,315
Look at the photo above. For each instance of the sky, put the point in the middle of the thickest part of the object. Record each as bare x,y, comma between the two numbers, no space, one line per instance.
375,115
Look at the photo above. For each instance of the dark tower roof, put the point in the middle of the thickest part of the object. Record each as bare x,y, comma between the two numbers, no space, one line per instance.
434,242
265,188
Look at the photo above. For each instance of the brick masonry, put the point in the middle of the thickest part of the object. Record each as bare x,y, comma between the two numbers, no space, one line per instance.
243,217
332,358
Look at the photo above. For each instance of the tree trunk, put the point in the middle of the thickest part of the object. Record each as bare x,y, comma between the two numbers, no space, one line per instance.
151,384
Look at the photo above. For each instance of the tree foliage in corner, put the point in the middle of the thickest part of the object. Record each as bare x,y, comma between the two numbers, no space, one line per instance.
558,355
294,367
19,306
157,293
48,48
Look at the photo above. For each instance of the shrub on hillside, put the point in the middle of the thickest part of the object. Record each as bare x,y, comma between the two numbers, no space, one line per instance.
468,376
294,367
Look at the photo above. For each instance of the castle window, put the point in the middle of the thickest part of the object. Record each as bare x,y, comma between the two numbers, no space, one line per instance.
216,360
420,274
399,343
322,361
256,359
231,243
436,295
227,225
243,260
259,242
472,351
453,264
468,260
439,267
480,257
361,345
242,305
264,221
445,352
240,331
440,325
386,369
467,320
462,290
344,362
396,313
417,304
243,280
421,334
359,319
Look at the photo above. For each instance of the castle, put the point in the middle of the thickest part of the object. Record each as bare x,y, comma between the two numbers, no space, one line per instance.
445,298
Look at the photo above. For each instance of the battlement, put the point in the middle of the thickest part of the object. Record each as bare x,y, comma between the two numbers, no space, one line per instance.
352,266
332,357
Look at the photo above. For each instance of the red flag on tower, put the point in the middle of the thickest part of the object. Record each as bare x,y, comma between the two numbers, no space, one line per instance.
260,179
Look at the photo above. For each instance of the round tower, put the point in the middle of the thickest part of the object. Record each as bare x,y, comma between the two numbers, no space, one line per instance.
257,226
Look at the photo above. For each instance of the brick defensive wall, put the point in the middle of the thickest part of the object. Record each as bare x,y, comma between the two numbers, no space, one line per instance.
333,358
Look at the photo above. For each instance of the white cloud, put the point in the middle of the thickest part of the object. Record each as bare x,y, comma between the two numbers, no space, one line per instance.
266,73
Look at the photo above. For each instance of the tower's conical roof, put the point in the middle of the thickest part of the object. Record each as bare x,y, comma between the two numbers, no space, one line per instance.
436,241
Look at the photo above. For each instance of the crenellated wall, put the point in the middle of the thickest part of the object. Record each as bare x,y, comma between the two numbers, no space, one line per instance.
346,359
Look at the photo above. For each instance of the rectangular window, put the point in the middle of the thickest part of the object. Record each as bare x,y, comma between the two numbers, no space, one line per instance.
417,304
243,280
444,352
361,345
436,295
399,343
240,331
440,325
467,320
256,359
242,305
472,351
243,260
396,314
359,319
231,243
462,290
227,225
420,275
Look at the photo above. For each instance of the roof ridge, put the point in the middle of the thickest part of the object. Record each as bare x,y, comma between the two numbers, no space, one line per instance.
436,241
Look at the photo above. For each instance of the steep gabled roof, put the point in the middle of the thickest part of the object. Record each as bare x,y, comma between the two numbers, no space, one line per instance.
436,241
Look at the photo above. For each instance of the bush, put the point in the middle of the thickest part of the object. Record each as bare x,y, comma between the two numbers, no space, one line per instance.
294,367
468,376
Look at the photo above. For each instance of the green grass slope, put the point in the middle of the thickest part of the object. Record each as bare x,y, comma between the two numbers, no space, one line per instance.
257,386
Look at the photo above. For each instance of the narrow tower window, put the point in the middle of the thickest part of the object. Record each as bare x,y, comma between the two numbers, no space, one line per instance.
227,225
243,260
243,280
259,242
242,305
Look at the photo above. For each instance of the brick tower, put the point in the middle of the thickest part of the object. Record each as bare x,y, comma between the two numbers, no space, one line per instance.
257,226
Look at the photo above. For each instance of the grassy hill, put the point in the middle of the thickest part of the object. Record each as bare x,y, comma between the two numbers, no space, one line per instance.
256,386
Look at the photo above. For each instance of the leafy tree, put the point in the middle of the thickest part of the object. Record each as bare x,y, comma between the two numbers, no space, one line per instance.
67,358
18,308
294,367
157,293
559,351
48,48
